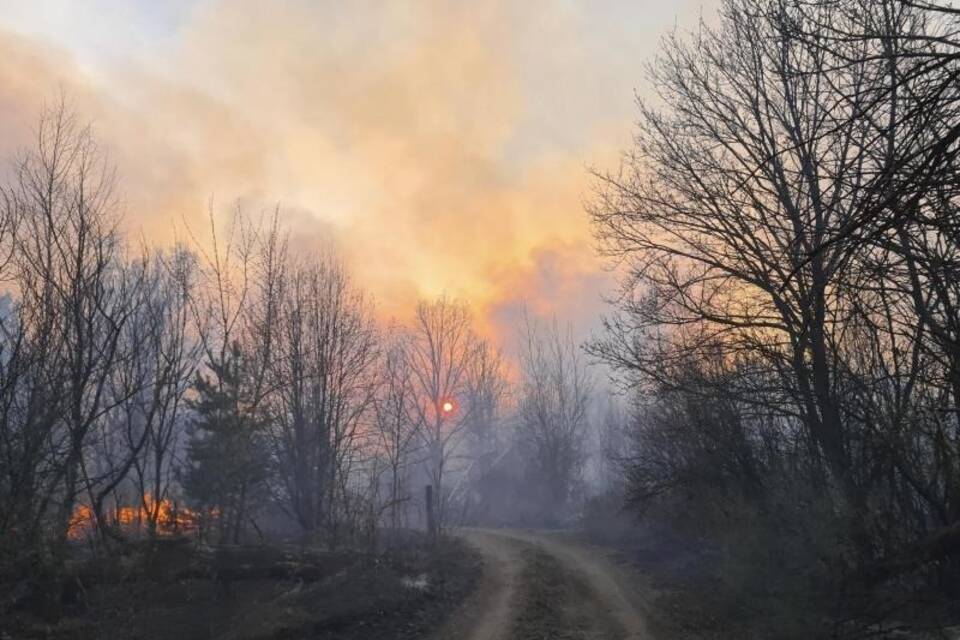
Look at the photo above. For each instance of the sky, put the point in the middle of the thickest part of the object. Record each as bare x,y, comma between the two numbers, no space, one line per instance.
441,147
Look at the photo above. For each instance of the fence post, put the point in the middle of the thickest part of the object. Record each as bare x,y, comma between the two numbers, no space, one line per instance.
431,517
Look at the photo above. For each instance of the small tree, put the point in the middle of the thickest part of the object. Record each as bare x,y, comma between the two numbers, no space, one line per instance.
396,425
227,454
554,390
486,398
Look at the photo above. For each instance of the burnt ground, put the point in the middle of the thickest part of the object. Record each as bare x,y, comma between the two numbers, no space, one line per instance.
257,593
695,591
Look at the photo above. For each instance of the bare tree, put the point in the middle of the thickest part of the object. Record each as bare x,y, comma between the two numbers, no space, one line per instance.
139,436
395,422
788,301
174,351
74,288
612,436
225,467
441,351
486,399
322,381
913,110
552,430
226,272
728,226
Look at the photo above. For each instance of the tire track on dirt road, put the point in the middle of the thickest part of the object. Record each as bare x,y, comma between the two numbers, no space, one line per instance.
598,596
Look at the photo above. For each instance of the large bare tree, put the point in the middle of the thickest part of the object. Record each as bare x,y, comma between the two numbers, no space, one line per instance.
322,379
782,225
76,296
441,351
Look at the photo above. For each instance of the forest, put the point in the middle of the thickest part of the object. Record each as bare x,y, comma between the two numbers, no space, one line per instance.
224,437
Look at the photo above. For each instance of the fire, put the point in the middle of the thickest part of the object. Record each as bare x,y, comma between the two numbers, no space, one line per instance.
80,521
171,518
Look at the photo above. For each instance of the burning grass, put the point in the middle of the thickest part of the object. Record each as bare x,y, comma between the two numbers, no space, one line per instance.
170,517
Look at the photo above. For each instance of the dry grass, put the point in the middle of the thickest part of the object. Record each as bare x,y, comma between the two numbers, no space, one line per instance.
348,596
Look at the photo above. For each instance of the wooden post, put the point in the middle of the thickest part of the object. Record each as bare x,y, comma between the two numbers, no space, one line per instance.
431,518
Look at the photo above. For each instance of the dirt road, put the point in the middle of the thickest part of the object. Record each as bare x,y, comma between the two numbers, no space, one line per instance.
545,585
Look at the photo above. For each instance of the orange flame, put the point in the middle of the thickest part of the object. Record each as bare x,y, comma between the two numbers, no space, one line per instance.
171,518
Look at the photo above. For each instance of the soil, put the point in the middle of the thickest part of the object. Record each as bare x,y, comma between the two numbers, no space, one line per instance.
547,585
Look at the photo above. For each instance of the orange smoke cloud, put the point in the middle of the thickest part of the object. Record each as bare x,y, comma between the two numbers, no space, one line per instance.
440,146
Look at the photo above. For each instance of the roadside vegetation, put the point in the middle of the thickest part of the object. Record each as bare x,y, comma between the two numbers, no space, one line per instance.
786,225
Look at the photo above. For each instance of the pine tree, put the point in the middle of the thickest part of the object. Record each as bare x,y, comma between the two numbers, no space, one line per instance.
227,452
